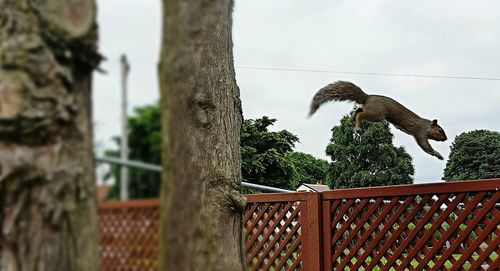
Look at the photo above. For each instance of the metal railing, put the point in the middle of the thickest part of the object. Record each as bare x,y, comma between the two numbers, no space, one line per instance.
157,168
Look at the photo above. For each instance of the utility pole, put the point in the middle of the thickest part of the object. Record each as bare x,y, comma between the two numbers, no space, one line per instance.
125,68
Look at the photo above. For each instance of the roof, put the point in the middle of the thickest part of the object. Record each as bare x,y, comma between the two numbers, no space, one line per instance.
102,191
313,187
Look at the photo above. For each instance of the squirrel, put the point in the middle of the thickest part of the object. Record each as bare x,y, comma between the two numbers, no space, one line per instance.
377,108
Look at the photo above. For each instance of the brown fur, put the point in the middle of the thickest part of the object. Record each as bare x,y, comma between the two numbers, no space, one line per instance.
377,108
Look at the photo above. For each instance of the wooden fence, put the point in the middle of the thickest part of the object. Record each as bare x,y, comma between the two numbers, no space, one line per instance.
441,226
129,235
416,227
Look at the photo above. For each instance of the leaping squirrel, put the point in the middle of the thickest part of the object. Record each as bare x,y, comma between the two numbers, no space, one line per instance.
378,108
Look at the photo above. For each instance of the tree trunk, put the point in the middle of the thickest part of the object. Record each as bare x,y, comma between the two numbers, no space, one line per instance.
48,217
201,225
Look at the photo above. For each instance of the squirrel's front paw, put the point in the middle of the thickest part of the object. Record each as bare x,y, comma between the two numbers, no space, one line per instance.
438,155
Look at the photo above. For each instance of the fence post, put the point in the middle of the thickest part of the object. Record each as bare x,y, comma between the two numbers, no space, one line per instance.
314,249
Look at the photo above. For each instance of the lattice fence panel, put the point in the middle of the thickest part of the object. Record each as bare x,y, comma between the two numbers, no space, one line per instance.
273,235
129,235
434,231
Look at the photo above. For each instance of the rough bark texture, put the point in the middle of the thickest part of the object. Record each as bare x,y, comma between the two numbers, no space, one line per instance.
201,227
48,218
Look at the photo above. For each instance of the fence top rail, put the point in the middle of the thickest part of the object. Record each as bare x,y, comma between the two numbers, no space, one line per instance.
364,192
277,197
253,198
139,203
414,189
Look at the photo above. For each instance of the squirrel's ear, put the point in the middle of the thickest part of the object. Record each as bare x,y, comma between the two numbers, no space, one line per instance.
434,122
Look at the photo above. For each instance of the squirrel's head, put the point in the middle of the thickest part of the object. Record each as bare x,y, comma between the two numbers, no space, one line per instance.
436,132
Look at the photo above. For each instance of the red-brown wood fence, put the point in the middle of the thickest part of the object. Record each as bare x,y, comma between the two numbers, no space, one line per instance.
441,226
416,227
129,235
283,231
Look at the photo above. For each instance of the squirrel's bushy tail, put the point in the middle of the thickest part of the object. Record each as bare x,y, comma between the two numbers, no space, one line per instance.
338,91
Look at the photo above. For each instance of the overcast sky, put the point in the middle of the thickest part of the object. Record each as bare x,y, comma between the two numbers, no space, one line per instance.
451,38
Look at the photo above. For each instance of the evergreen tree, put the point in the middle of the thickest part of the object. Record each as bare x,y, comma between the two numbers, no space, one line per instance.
368,158
263,154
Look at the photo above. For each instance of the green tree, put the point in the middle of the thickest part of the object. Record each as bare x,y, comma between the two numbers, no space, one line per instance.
263,153
366,159
268,157
307,168
144,137
474,155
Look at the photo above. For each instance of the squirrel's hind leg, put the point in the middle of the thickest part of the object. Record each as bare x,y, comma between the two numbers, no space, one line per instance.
358,119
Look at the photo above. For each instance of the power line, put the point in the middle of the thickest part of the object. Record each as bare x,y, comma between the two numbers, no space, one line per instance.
371,73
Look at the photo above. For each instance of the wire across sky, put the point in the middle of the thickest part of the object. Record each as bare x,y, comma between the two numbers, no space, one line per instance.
370,73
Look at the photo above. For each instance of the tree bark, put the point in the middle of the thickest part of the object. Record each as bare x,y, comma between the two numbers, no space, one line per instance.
48,217
201,224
